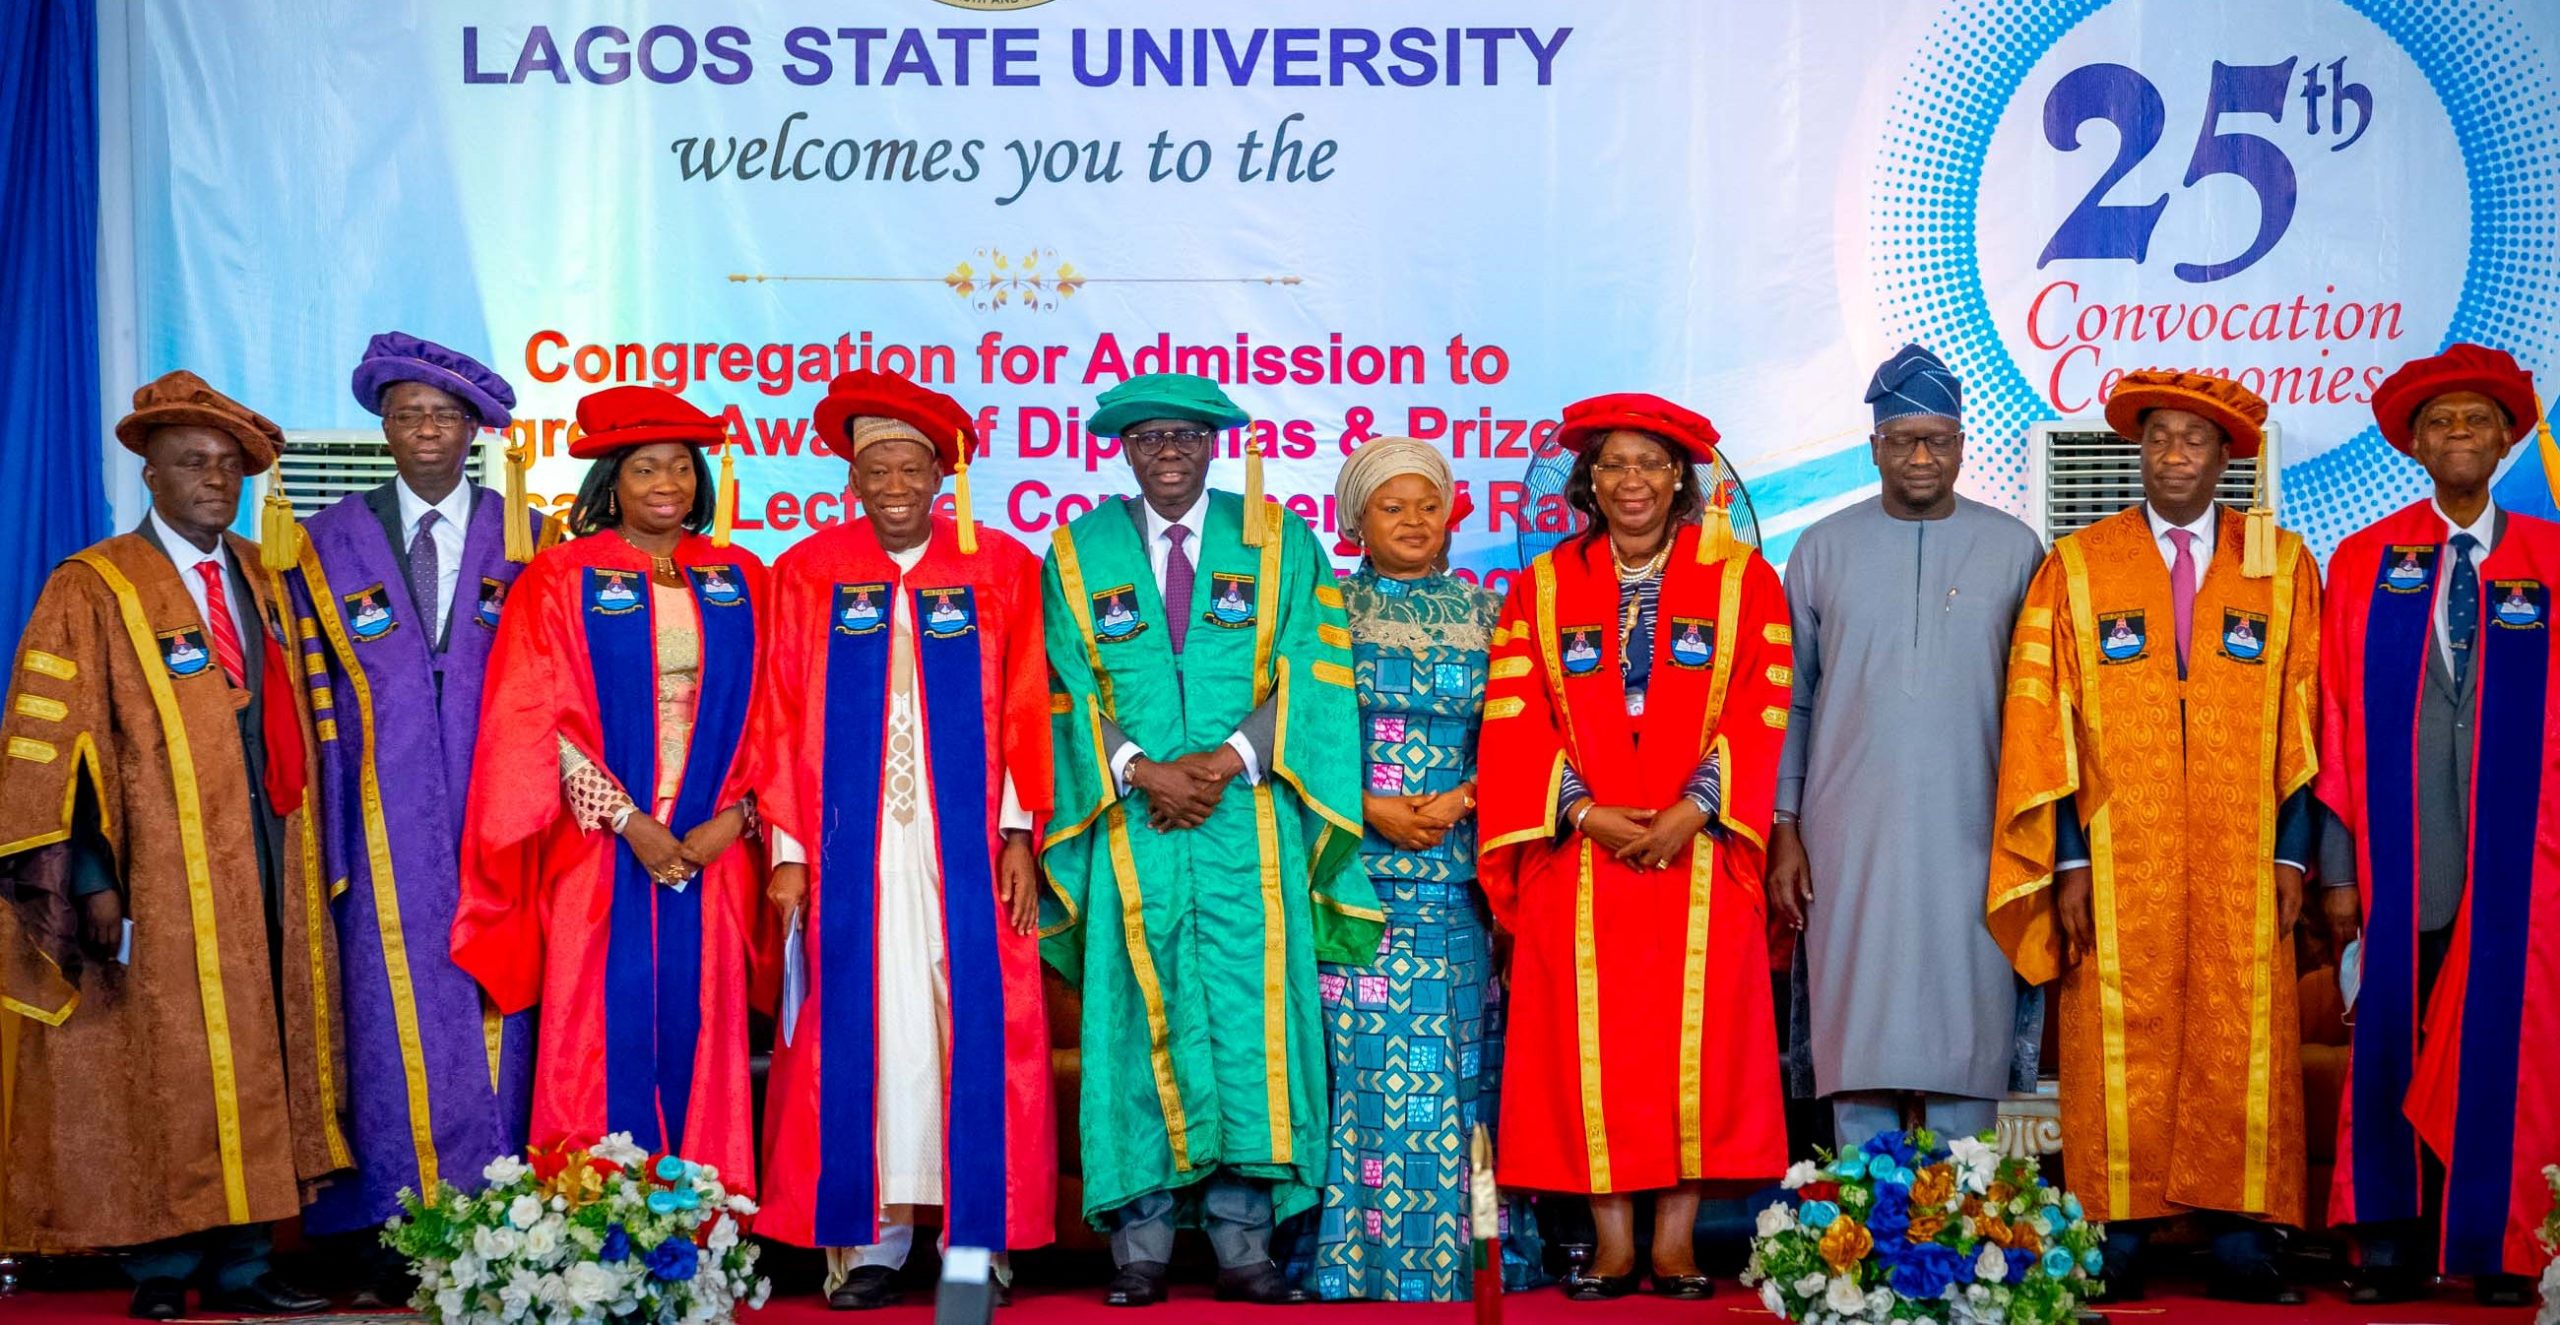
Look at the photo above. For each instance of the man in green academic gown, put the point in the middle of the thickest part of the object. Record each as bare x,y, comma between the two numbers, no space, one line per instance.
1204,850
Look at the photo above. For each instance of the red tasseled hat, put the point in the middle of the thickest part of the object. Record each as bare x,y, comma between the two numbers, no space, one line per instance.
859,395
621,416
1586,421
2462,367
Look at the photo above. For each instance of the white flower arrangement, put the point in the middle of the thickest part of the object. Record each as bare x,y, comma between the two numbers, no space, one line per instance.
2550,1234
608,1235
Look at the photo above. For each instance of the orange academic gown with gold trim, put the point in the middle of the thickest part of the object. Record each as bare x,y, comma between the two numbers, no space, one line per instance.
1641,1051
2181,1054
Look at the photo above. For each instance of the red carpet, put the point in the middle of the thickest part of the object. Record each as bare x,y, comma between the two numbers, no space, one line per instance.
1192,1304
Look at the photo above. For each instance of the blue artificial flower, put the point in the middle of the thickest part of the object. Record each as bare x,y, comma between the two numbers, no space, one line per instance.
1849,1168
1891,1217
663,1202
2052,1220
1879,1144
2020,1263
617,1245
674,1260
670,1168
2058,1262
1900,1177
1818,1214
688,1199
2071,1205
2094,1261
1881,1167
1924,1270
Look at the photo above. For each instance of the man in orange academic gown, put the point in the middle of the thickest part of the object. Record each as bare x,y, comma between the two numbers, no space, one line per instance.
2153,823
901,747
2440,757
177,1080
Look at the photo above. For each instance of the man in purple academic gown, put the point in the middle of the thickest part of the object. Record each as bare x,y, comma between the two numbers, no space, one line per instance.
400,588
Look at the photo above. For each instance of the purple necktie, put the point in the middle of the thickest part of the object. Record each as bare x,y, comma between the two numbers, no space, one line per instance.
2182,589
424,572
1177,586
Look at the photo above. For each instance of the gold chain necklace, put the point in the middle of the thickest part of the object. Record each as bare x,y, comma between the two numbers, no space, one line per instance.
664,566
1636,574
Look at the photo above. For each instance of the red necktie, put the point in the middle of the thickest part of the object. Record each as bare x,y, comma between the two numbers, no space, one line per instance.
2182,590
218,623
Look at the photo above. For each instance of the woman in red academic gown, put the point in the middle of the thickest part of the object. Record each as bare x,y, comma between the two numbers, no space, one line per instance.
609,866
1638,700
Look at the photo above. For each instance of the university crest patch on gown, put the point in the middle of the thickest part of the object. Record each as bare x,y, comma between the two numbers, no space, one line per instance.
493,600
2244,635
1230,600
368,615
1693,642
2408,568
2120,636
612,592
858,608
1581,652
2518,604
719,585
183,651
948,613
1114,618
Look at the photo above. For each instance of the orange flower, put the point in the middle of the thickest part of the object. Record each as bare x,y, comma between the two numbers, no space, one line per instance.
2022,1237
2001,1194
1992,1229
1927,1227
1845,1243
1933,1188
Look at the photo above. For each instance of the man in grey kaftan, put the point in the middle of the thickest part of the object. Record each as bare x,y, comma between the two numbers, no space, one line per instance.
1902,611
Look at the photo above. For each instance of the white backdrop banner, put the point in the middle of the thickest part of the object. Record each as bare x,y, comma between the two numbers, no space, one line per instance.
1446,220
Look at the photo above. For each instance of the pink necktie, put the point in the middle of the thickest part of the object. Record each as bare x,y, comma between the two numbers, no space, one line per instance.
2182,589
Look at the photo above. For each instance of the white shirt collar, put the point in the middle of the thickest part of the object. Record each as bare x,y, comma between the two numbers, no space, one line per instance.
2202,526
2484,528
1191,519
455,508
187,555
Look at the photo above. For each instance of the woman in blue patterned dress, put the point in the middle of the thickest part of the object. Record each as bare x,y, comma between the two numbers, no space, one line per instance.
1416,1036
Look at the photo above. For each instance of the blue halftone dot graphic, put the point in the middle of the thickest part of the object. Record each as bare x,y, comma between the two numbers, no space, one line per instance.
2497,90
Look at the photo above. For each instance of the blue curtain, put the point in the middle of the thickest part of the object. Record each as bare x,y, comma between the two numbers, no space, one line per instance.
53,499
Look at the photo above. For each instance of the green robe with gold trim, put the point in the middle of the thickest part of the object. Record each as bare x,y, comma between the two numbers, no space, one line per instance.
1203,1043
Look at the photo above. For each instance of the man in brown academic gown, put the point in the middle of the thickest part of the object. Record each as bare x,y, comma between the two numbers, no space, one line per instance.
167,935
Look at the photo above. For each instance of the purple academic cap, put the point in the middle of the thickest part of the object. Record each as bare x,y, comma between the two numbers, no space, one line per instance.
397,356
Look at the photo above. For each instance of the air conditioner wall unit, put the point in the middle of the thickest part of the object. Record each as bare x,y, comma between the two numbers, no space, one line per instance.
2080,472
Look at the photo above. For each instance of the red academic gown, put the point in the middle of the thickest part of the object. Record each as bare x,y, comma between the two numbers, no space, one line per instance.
2475,1073
1641,1051
643,987
817,747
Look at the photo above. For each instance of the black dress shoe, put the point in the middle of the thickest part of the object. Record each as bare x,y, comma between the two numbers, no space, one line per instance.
1263,1284
266,1295
1684,1287
2376,1286
2503,1290
1581,1287
158,1299
867,1288
1139,1284
2258,1284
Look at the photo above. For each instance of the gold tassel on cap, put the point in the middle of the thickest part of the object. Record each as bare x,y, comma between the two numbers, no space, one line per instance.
1715,534
2550,448
960,500
279,537
2258,529
1257,527
520,536
724,503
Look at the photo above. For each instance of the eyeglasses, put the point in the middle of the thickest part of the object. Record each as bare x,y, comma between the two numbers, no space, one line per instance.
408,420
1156,441
1649,469
1901,445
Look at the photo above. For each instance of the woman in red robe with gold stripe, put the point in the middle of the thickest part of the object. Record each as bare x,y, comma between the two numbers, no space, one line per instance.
1637,704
